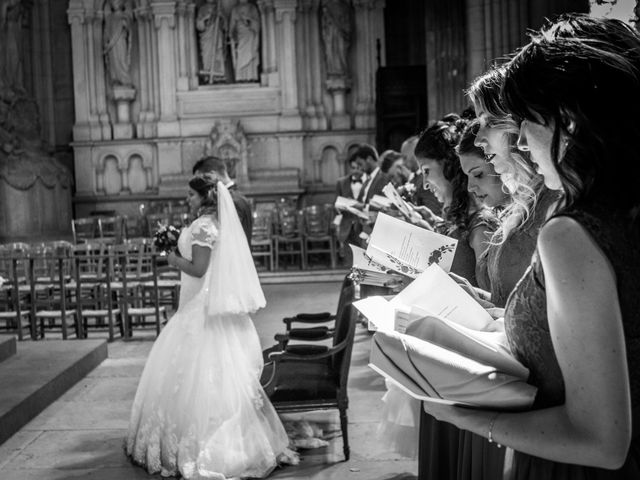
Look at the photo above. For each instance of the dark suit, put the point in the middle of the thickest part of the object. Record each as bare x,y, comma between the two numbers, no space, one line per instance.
243,207
377,184
343,187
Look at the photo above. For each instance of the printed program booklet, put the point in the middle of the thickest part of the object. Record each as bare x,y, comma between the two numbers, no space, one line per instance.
407,248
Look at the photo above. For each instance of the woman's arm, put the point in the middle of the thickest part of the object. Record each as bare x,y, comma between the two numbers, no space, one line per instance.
197,267
593,427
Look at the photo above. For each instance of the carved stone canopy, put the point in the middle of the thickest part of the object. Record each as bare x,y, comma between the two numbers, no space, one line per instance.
228,141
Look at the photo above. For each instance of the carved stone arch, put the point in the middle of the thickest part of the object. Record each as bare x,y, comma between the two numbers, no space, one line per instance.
227,140
138,173
329,167
108,174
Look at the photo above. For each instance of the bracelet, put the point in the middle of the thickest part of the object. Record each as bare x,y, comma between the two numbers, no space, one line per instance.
491,424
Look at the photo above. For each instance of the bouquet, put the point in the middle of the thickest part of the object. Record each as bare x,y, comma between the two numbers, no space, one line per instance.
407,192
165,238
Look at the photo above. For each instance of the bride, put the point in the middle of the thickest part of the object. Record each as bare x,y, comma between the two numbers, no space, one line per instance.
200,411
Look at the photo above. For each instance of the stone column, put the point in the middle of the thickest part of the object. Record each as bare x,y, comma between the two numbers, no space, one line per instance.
183,53
315,56
305,75
369,27
77,21
146,117
192,49
285,14
164,15
269,76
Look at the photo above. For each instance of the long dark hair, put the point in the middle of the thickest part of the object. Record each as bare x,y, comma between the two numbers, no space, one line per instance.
582,75
208,190
438,142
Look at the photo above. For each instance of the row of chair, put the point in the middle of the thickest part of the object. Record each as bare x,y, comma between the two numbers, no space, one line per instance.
117,229
77,288
286,233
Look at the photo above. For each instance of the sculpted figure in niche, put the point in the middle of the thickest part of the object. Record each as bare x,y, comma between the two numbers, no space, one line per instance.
244,30
211,24
336,36
118,23
10,41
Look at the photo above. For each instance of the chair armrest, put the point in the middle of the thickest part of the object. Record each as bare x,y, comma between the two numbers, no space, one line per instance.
309,318
278,357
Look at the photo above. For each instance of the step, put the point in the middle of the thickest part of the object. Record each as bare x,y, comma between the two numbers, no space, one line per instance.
302,276
39,373
7,346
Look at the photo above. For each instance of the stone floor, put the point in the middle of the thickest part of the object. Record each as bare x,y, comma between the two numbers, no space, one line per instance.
80,435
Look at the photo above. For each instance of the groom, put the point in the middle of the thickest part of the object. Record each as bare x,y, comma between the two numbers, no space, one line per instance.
216,169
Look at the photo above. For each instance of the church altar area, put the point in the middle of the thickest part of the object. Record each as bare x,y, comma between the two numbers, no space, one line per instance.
281,89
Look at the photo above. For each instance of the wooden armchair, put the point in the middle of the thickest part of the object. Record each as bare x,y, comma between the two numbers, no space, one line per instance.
314,377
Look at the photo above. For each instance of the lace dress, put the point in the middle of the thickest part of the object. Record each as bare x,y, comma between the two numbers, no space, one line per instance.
199,410
527,329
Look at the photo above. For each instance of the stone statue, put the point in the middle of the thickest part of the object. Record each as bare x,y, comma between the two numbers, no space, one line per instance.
117,32
211,24
336,36
10,40
244,30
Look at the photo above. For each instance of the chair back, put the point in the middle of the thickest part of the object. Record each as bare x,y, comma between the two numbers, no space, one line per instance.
91,257
155,220
288,221
110,229
262,225
84,229
316,221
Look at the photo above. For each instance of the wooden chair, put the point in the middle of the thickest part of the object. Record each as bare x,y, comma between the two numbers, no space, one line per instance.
52,302
111,229
312,377
84,229
138,301
14,306
134,226
288,239
98,310
262,238
319,237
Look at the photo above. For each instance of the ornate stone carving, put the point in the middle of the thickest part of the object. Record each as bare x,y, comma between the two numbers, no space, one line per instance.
228,141
212,33
118,23
244,34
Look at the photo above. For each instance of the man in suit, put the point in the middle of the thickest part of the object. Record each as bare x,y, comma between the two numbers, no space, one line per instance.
348,186
376,180
216,168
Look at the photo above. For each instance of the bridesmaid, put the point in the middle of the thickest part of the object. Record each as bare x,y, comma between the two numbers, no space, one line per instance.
512,246
463,219
472,226
573,319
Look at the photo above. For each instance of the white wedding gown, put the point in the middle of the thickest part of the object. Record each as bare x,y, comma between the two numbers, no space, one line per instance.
199,410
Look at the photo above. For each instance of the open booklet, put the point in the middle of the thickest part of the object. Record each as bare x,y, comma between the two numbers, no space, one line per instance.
433,292
396,199
344,204
370,272
436,348
407,248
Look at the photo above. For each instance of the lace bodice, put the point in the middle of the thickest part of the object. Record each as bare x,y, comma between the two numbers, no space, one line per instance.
506,262
526,320
204,232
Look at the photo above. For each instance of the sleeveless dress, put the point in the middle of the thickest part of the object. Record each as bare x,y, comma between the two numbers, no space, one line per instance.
200,410
440,443
527,330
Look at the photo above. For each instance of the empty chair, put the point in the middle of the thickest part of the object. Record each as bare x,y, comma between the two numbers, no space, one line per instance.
319,238
111,229
84,229
14,305
310,378
262,239
288,239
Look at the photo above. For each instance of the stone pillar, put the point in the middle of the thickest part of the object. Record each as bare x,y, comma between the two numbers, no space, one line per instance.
315,56
369,29
123,96
192,48
146,117
309,55
285,14
183,54
92,120
269,74
164,15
